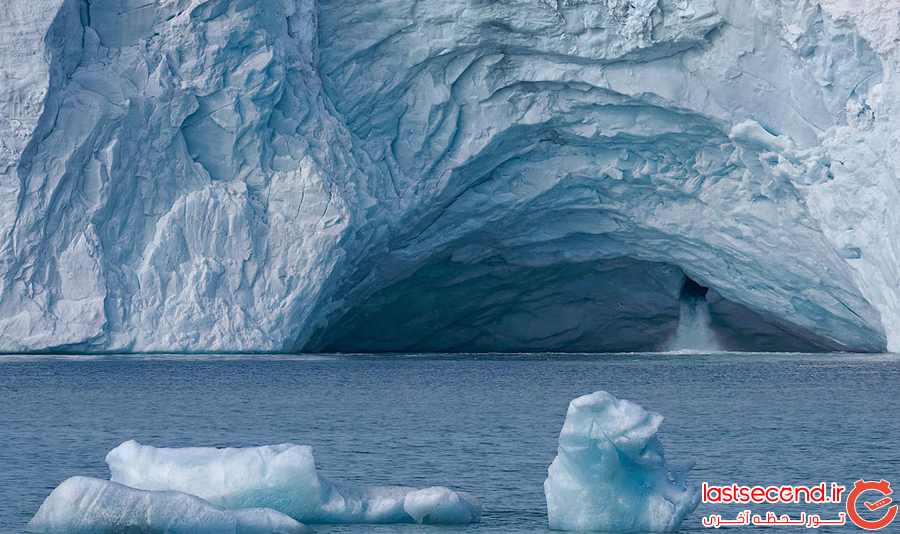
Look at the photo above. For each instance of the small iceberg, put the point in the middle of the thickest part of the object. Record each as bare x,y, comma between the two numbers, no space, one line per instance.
82,505
438,505
284,478
610,473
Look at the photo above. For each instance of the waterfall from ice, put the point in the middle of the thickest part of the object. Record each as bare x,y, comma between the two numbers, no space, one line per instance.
695,331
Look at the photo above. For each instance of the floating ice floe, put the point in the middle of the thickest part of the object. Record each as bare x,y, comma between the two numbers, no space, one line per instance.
284,478
82,505
610,473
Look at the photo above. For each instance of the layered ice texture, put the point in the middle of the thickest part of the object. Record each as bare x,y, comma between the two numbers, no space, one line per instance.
610,473
197,175
82,505
284,478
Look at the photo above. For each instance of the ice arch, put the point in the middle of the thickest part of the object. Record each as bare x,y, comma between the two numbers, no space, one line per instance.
194,175
554,185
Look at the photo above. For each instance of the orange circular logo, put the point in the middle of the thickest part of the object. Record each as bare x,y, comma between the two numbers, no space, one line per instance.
883,489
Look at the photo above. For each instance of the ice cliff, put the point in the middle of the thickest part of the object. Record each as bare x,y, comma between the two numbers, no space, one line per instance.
228,175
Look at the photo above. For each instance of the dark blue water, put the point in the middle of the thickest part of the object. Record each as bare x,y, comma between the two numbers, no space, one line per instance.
485,424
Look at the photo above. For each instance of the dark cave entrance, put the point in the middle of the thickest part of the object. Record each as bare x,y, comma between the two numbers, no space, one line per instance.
611,305
691,290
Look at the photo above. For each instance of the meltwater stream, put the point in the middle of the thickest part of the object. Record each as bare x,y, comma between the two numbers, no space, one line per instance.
484,424
695,332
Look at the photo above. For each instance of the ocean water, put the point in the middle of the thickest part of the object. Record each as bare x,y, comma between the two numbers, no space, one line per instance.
486,424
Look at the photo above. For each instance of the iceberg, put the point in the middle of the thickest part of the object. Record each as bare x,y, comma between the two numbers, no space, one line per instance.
231,477
318,175
438,505
283,477
82,505
610,473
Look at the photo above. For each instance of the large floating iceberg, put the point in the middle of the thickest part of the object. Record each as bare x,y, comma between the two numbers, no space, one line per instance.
284,478
610,473
315,175
82,505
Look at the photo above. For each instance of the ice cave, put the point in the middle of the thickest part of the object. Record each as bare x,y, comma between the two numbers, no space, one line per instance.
420,175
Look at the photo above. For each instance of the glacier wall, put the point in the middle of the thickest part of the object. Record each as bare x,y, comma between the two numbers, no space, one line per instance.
227,175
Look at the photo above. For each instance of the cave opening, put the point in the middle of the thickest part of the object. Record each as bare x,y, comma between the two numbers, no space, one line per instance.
691,290
459,305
